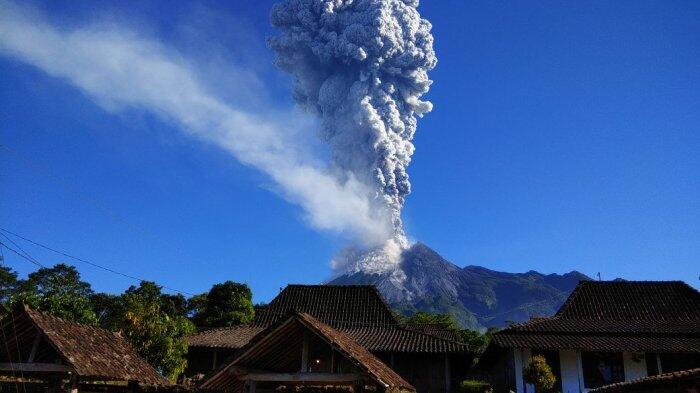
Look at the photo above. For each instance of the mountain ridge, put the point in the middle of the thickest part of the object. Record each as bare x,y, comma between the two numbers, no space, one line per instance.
476,296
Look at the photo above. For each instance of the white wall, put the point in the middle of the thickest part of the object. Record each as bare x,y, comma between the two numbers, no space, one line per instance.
635,365
518,364
570,382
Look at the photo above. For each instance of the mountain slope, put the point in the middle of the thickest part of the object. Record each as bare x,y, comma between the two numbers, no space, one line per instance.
477,297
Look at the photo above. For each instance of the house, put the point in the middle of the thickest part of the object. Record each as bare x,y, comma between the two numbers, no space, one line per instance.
604,333
301,349
427,359
685,381
54,352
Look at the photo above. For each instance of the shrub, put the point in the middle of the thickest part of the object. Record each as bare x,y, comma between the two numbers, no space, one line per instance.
538,373
475,386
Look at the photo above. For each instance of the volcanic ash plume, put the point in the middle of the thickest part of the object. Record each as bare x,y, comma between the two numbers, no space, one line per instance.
361,66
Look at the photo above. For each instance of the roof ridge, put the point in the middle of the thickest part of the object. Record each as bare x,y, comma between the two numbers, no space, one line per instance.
432,335
331,286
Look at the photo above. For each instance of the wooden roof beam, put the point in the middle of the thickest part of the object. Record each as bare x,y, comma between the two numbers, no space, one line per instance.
36,367
305,377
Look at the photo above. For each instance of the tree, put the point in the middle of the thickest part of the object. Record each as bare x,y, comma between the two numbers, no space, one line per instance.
538,373
226,304
108,309
156,335
8,284
444,321
58,291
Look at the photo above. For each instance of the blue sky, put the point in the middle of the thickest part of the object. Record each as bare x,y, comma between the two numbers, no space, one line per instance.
564,136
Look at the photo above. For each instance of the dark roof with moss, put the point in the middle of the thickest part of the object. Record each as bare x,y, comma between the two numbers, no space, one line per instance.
653,316
632,301
334,305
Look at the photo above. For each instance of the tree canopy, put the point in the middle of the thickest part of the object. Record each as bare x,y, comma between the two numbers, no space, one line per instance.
159,337
58,291
226,304
155,323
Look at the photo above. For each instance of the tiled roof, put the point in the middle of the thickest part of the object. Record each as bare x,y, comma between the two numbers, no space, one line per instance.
358,310
400,339
678,381
589,342
619,316
359,353
234,337
632,301
377,339
335,305
266,346
94,352
433,330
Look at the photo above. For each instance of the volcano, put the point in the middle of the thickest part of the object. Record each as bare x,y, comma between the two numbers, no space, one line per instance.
477,297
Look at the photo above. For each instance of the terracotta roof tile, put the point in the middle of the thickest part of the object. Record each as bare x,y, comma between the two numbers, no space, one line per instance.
94,352
336,305
234,337
669,382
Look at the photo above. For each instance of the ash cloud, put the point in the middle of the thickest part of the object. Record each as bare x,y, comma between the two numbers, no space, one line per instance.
125,72
361,66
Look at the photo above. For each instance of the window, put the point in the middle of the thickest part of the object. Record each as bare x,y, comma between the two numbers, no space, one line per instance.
671,362
652,364
602,368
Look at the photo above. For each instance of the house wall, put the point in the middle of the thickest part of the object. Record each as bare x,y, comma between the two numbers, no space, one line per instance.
571,369
570,376
635,365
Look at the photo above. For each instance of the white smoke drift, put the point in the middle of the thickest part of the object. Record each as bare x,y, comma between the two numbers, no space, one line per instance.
362,67
123,71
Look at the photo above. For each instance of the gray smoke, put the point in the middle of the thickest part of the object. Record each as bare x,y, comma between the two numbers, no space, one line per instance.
362,67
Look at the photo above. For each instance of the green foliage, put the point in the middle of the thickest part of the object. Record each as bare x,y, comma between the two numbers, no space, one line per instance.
108,309
445,321
8,283
57,291
157,336
475,386
539,374
475,341
226,304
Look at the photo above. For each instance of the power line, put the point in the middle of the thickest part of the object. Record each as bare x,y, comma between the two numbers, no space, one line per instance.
105,268
21,255
27,255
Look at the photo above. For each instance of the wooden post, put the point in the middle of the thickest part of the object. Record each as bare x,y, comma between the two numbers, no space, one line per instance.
34,348
132,387
448,376
213,362
332,361
55,383
72,386
305,354
249,386
392,362
358,386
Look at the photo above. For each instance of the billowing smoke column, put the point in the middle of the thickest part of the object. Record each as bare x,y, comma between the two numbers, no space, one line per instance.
361,66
